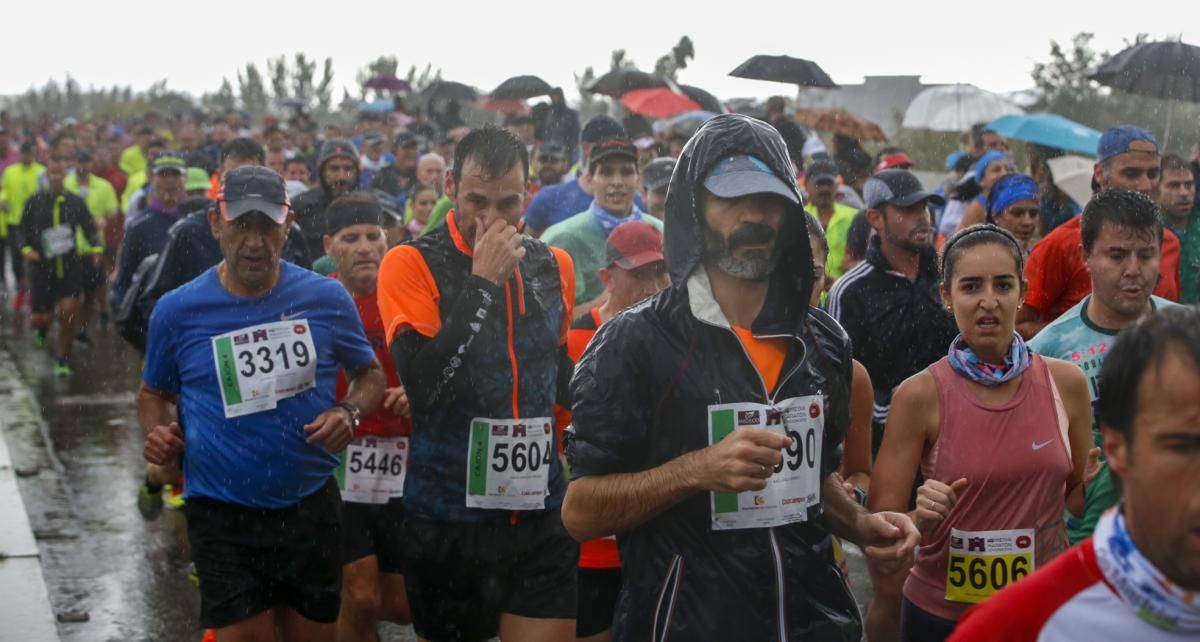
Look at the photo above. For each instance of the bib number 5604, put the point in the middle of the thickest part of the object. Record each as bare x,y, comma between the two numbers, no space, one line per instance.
520,457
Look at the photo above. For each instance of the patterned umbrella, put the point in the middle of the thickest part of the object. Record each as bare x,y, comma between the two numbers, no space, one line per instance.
841,122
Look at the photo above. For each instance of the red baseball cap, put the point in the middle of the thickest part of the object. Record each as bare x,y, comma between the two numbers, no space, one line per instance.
891,161
633,245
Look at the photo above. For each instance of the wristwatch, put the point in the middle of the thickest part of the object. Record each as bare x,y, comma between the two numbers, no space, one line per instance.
355,413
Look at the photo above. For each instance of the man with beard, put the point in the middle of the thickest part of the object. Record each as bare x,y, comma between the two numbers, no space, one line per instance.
690,405
1177,198
1122,237
337,171
396,178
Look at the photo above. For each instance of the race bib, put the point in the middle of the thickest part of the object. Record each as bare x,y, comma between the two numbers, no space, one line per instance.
983,562
508,463
58,241
372,469
795,484
261,365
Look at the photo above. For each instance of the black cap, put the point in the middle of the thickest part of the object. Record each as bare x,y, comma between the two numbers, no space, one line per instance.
612,147
601,127
555,150
657,174
406,139
253,188
822,170
898,187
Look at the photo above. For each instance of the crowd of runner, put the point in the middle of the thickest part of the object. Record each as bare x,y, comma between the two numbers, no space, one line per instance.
561,380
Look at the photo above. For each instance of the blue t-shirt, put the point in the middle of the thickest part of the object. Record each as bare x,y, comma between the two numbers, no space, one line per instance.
259,459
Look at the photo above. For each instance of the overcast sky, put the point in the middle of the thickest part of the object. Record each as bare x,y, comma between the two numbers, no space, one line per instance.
193,45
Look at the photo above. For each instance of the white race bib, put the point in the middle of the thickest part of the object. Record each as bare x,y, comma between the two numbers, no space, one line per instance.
372,470
796,483
260,365
508,463
58,241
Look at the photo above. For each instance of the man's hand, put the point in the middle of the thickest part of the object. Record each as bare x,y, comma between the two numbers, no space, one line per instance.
934,501
887,539
32,257
396,401
498,251
332,429
742,461
164,444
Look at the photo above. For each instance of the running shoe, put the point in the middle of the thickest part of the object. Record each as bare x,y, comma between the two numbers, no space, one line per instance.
193,576
210,635
61,369
172,496
39,338
150,501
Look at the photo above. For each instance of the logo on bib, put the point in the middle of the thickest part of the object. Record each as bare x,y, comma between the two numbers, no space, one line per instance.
814,411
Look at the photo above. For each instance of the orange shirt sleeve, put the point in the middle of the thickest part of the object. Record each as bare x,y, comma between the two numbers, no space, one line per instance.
1048,271
566,276
407,294
1168,270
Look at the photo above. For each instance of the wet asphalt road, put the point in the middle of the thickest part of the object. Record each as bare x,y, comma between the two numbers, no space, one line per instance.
111,575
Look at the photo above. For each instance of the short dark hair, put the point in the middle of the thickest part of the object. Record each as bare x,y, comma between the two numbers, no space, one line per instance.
1136,350
975,236
1131,211
495,150
294,160
978,131
243,148
1174,163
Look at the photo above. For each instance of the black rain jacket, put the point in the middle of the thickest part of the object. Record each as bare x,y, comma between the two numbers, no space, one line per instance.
641,393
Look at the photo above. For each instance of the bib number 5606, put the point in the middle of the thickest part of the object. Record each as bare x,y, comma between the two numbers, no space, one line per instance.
520,457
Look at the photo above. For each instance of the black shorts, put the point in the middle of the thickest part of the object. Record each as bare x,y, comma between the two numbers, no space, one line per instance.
47,288
253,559
461,577
374,529
599,589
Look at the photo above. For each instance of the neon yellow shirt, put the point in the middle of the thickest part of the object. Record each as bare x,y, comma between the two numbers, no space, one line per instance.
132,161
135,185
18,184
835,232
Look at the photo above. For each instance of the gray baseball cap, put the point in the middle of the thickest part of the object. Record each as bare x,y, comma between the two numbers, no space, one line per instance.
743,175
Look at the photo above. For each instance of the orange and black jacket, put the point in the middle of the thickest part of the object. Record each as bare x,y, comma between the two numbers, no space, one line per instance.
466,348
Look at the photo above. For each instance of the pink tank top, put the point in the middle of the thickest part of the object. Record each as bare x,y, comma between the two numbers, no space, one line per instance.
1016,458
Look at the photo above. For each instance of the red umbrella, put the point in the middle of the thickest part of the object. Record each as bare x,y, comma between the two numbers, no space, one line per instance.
658,102
504,106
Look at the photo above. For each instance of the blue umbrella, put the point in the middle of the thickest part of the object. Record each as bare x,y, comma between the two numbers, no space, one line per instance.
1048,130
381,106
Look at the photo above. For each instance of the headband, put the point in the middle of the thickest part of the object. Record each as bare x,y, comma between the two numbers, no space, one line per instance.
1010,189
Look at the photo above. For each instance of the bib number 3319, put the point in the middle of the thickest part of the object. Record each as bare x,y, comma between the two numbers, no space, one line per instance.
508,463
261,365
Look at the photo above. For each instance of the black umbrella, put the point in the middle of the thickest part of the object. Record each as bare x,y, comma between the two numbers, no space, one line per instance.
387,83
448,90
707,101
521,88
619,82
1165,70
797,71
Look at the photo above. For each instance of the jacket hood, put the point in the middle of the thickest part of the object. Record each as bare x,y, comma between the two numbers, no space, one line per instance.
337,147
719,138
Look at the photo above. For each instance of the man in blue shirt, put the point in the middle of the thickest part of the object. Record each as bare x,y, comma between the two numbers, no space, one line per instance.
557,203
249,353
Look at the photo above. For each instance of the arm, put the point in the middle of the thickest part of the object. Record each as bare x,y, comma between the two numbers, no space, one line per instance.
334,428
600,505
856,465
1029,322
1073,388
974,215
429,366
